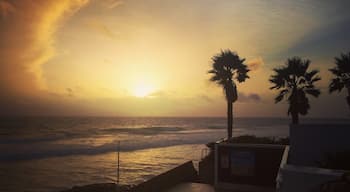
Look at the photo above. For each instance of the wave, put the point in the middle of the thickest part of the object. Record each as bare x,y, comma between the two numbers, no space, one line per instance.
58,150
216,126
74,134
144,130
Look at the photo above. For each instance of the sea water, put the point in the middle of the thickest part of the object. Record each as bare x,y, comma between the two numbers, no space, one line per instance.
56,153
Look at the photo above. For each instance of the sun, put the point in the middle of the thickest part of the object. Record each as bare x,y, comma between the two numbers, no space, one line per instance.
143,90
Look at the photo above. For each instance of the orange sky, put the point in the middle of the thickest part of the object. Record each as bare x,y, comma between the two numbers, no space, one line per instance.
131,58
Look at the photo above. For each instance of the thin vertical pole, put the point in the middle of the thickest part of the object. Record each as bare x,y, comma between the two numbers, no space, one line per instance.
118,163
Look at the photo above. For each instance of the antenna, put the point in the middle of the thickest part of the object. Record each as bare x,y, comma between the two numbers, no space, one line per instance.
118,162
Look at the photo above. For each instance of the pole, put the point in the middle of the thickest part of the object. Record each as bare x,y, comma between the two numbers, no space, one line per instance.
118,162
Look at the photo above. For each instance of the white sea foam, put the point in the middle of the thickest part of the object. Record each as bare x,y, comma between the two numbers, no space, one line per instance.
58,153
32,138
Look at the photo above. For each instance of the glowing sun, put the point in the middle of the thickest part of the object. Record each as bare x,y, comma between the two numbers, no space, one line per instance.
143,90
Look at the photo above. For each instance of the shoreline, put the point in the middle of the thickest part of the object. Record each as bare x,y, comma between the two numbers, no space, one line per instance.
105,187
112,187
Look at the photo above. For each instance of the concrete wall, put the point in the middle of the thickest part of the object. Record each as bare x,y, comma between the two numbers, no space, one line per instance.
310,142
304,179
293,178
182,173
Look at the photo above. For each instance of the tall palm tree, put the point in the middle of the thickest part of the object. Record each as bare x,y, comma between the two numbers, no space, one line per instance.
227,66
342,75
295,82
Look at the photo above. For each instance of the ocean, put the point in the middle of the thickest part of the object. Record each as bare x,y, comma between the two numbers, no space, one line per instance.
56,153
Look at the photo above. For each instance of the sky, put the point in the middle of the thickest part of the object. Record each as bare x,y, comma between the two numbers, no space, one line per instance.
150,58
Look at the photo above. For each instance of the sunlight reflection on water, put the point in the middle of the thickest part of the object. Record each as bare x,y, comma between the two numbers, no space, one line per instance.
54,153
136,166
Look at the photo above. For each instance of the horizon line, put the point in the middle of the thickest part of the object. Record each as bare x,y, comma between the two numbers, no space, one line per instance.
171,116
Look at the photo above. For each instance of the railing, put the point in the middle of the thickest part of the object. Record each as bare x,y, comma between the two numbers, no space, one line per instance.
279,178
204,153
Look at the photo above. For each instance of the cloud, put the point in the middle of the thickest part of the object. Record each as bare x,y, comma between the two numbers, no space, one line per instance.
255,64
101,28
110,4
70,92
6,8
248,97
158,94
27,41
327,40
206,98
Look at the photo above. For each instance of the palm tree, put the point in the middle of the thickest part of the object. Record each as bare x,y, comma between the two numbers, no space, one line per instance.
342,75
295,82
227,66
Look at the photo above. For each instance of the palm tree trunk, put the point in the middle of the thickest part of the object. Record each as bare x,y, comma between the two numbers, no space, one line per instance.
348,97
295,118
229,119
